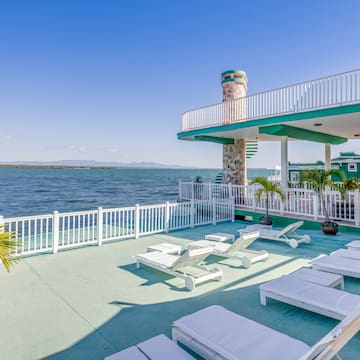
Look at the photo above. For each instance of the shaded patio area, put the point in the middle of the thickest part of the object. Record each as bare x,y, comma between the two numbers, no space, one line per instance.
90,302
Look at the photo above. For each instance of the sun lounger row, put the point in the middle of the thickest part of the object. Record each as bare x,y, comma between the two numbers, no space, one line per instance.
217,333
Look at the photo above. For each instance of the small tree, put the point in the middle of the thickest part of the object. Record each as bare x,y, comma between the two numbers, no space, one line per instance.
320,180
7,248
268,188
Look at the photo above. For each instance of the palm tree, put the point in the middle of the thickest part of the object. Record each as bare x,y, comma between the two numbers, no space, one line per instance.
7,248
268,188
320,180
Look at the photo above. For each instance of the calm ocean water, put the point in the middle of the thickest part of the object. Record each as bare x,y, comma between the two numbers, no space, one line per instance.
41,191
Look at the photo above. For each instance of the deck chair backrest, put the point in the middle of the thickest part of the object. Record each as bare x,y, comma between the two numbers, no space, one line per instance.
245,240
335,340
192,257
290,228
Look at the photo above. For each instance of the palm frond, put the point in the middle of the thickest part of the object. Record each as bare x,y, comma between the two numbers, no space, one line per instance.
8,248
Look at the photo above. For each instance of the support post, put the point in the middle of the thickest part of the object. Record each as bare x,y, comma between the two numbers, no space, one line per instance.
327,156
210,191
167,217
192,190
180,190
284,162
137,221
99,226
55,232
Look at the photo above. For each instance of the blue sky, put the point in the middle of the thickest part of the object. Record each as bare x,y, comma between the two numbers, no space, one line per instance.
109,80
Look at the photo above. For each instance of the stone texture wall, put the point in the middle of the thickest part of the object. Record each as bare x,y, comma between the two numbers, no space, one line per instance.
233,90
234,163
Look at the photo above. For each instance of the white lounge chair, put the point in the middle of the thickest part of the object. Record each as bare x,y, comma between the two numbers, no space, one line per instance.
287,234
310,296
217,333
337,264
237,250
157,348
189,266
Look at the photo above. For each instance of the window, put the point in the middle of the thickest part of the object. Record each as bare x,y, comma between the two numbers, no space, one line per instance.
295,176
352,167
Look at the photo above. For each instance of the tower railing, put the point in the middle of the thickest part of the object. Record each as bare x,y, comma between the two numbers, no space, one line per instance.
331,91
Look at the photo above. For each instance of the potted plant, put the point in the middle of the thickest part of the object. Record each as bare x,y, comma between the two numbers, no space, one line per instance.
268,188
320,180
7,248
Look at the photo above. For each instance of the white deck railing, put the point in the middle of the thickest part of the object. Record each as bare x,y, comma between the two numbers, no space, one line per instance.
327,92
57,231
300,202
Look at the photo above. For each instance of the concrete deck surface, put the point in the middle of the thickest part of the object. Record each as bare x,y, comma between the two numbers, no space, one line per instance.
90,302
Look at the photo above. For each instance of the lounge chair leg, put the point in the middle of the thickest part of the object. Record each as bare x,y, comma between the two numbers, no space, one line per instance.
246,262
262,298
190,283
293,243
137,264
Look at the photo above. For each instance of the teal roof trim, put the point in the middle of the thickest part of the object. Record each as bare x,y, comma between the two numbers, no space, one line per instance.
346,109
215,139
302,134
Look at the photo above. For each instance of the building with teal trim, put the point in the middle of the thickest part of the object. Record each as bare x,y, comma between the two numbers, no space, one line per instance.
347,162
324,110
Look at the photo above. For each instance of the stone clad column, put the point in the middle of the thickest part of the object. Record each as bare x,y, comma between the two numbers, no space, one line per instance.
234,84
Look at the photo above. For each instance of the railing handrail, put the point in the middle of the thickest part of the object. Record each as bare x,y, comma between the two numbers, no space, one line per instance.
276,89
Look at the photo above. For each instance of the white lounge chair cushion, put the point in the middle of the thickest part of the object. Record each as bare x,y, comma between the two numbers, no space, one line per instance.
351,254
305,292
162,348
161,259
216,245
236,337
132,353
338,264
354,245
158,348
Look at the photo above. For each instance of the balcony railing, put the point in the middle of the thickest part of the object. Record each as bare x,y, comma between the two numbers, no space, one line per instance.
327,92
298,202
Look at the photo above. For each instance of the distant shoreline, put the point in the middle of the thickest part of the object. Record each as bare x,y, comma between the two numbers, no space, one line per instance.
85,167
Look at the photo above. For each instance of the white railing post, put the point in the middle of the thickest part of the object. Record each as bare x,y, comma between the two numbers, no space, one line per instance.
100,226
55,229
253,197
232,208
214,211
137,221
210,191
192,190
357,207
180,190
167,217
316,206
2,222
192,213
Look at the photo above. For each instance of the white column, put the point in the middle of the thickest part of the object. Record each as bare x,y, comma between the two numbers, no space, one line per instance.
284,162
327,156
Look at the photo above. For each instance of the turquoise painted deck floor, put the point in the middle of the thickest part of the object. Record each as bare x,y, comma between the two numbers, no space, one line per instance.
91,302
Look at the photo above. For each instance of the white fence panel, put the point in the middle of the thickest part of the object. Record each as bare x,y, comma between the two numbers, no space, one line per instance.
118,223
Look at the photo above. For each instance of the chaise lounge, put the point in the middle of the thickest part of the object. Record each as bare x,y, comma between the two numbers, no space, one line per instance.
287,235
337,264
237,250
217,333
189,266
310,296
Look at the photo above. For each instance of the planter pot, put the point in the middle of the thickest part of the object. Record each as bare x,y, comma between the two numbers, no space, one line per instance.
265,220
329,228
